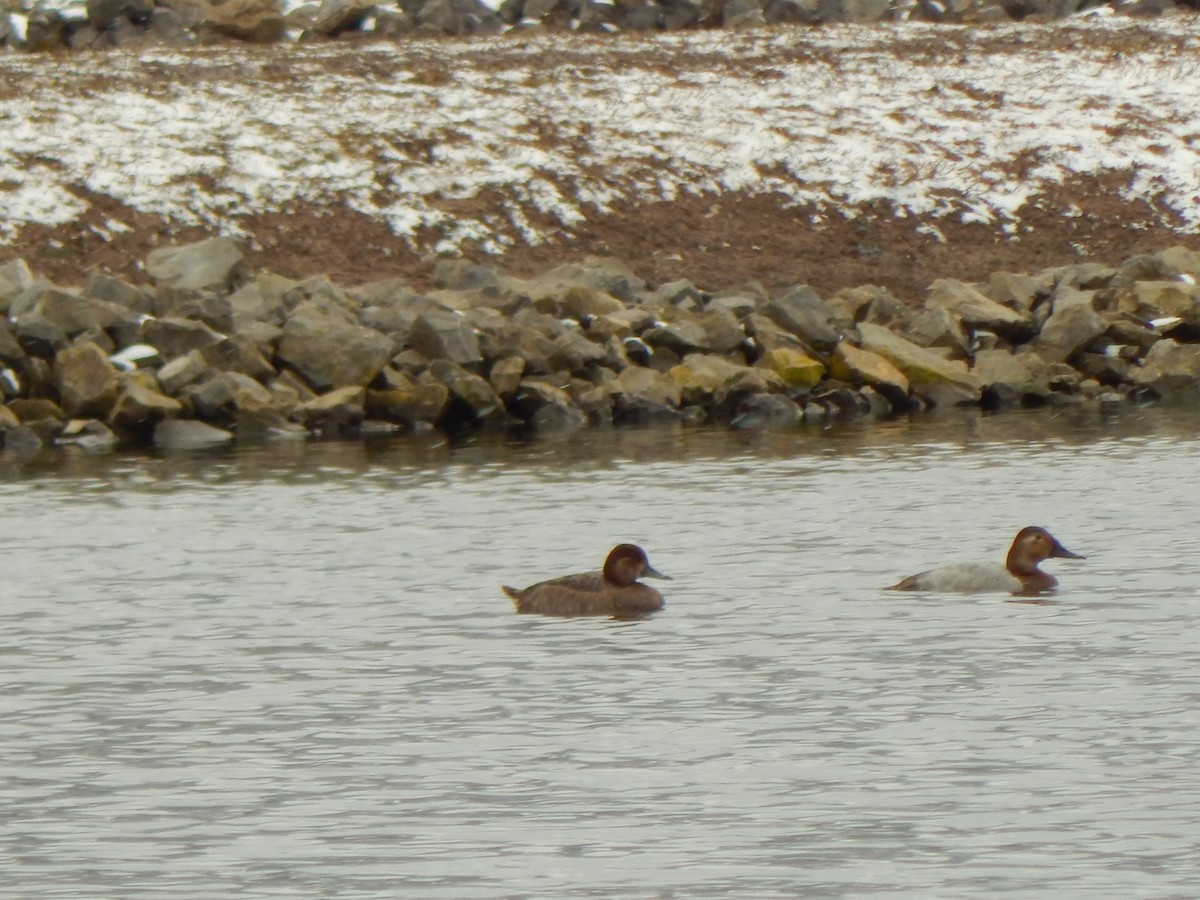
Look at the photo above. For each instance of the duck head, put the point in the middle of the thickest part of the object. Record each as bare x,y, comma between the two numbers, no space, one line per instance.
627,563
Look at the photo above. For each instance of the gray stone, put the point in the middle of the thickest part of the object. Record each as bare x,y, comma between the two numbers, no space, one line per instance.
335,17
1073,325
89,435
505,375
941,381
329,351
803,313
114,290
206,265
472,397
87,382
643,395
441,333
544,407
977,311
52,316
1169,366
939,327
182,371
339,411
411,403
140,405
174,337
15,278
1014,290
1010,378
573,352
863,367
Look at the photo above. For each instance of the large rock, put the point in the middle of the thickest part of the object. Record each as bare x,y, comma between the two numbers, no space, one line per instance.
544,407
141,406
941,381
330,351
794,367
414,403
645,395
188,434
858,366
1009,378
15,278
472,402
802,312
442,333
339,411
1072,326
206,265
706,380
87,382
1169,366
253,21
174,337
977,311
335,17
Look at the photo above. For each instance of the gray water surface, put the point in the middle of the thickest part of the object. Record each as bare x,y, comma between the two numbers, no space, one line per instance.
291,673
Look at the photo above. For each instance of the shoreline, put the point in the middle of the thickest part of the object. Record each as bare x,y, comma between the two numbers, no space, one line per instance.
207,352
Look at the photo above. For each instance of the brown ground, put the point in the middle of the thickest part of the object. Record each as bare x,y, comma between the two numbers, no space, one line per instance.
716,241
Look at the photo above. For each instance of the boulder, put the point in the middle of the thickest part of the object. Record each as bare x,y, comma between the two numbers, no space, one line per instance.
643,395
441,333
506,374
939,327
340,411
87,381
573,352
15,278
544,407
1009,378
411,403
1169,366
941,381
140,406
51,316
762,412
977,311
472,402
206,265
253,21
174,337
334,17
803,313
330,351
1073,325
183,371
794,367
858,366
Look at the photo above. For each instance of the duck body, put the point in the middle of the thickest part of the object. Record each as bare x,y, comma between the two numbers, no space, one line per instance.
613,591
1020,573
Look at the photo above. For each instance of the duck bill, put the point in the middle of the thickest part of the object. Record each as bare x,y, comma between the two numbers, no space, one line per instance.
1061,552
651,572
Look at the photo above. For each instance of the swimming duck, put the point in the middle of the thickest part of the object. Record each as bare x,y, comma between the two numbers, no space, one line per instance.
613,591
1019,574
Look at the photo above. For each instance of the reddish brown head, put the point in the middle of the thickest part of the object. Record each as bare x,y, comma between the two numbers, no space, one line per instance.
627,563
1032,545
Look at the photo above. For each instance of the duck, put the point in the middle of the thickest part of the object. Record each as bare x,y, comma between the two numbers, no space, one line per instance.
1019,574
613,591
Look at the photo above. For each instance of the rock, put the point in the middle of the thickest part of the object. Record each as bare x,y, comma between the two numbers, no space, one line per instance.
545,408
188,434
8,419
442,333
182,371
238,354
505,376
330,352
581,302
869,303
15,278
1072,326
87,381
339,411
23,440
1157,299
1169,366
1182,260
471,403
644,395
139,406
1103,368
29,410
573,352
457,17
806,315
414,404
1009,378
978,312
939,327
742,14
794,367
51,316
854,11
1014,290
174,337
206,265
707,380
858,366
941,381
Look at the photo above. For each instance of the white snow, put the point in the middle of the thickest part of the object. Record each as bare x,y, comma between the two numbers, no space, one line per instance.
566,127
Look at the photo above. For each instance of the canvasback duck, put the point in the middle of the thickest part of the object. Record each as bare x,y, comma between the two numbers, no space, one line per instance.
1019,574
613,591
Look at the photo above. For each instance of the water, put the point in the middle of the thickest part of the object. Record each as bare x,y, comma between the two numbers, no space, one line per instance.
291,673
